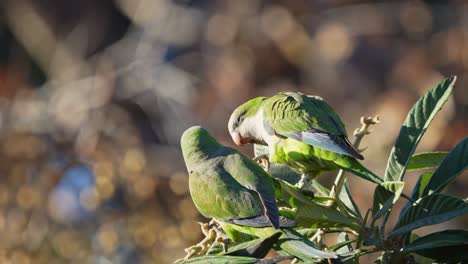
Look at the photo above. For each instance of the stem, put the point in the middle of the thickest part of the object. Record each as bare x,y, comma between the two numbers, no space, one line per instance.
359,133
361,233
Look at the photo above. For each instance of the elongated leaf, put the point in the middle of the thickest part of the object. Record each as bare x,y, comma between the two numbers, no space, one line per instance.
418,189
310,211
318,188
284,172
219,260
347,199
292,243
385,195
441,239
292,194
447,246
343,244
454,164
421,185
416,123
256,248
312,214
430,210
426,160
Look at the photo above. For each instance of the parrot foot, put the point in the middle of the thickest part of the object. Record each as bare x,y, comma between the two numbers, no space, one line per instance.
221,236
202,247
264,160
212,235
304,181
205,228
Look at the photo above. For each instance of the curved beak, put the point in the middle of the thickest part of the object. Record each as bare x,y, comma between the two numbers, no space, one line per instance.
236,137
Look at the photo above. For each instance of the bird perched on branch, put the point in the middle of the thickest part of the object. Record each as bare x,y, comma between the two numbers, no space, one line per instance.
227,185
301,131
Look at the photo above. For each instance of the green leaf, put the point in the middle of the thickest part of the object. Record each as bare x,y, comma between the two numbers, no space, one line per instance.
446,246
343,244
418,189
291,194
453,165
311,214
430,210
290,241
385,196
445,238
216,248
318,188
416,123
219,260
284,172
347,199
421,184
426,160
293,243
257,248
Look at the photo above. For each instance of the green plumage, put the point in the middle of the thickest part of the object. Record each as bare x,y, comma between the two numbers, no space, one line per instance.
227,185
301,131
293,112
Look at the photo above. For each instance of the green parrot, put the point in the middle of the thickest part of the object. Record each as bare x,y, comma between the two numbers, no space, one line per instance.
233,189
301,131
227,185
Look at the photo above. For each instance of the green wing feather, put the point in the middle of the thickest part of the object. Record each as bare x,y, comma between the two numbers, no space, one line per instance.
250,175
308,119
217,194
292,112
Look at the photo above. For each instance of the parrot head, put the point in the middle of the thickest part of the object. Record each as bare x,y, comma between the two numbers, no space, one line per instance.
195,143
241,131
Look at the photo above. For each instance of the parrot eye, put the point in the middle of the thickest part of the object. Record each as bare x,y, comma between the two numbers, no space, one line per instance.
239,119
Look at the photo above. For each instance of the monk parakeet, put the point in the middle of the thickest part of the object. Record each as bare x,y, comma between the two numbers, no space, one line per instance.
301,131
227,185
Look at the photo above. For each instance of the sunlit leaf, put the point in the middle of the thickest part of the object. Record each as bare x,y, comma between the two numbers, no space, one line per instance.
293,243
318,188
312,214
290,241
452,166
426,160
430,210
416,123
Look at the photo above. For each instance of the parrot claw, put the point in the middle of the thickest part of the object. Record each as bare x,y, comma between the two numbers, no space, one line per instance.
212,235
202,247
204,228
264,160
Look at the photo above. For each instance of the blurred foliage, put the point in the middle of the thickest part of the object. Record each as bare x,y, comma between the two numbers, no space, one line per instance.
95,94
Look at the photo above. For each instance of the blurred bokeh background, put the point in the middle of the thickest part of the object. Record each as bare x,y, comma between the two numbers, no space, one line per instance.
94,96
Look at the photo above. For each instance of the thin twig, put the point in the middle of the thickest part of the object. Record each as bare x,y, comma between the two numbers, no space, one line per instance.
359,133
